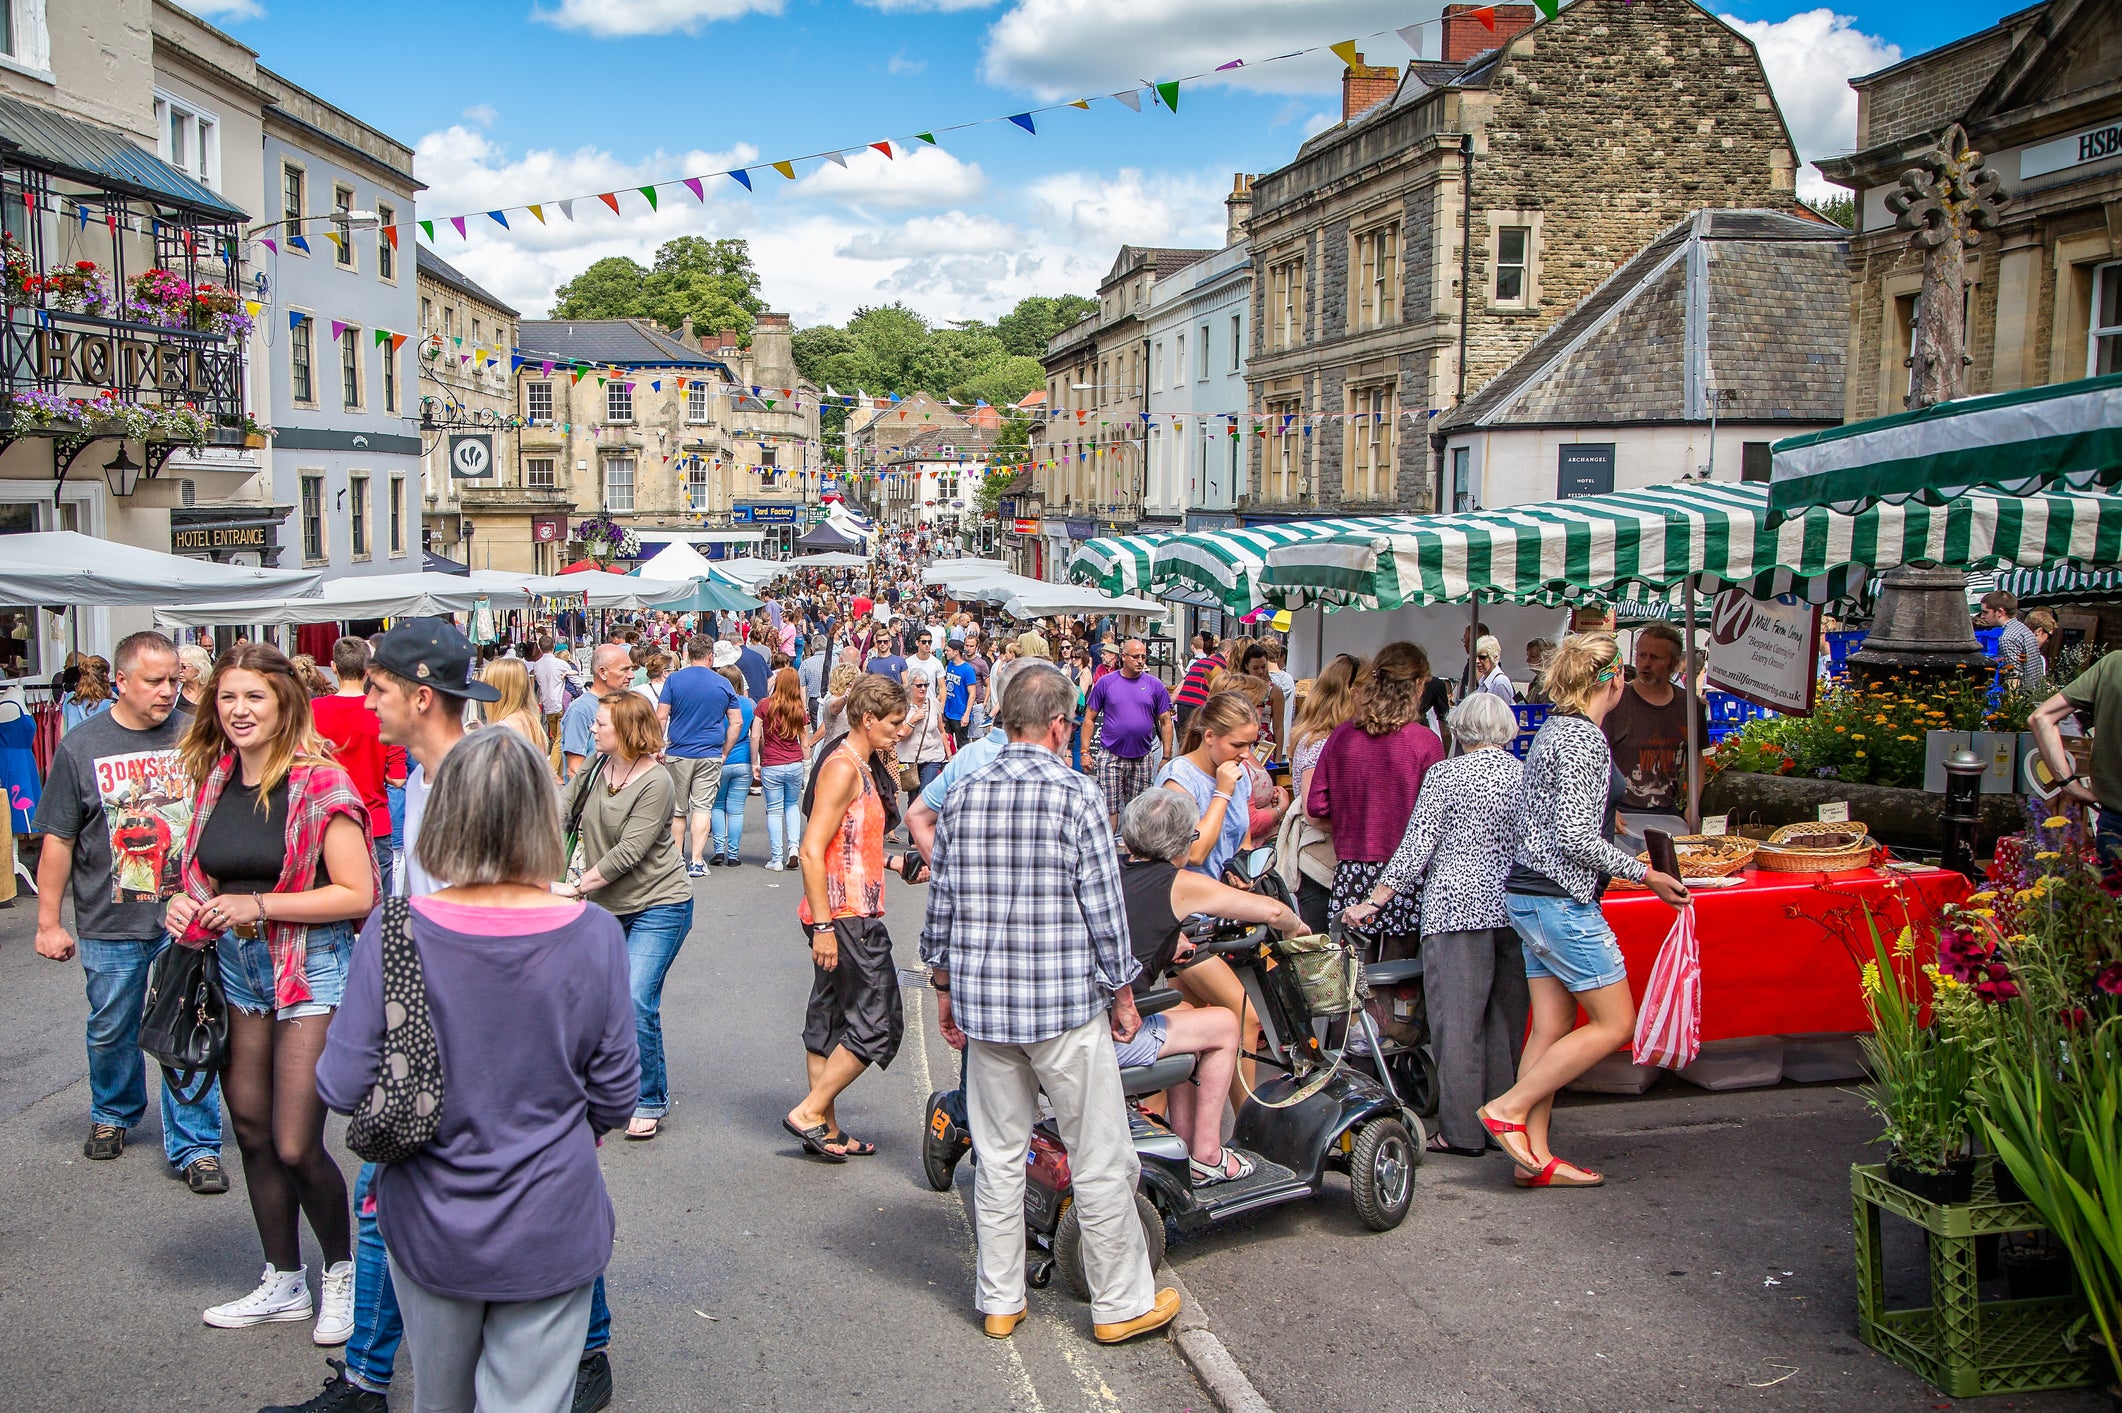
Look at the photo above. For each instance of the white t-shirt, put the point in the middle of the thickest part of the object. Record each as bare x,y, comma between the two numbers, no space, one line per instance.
931,669
413,880
550,671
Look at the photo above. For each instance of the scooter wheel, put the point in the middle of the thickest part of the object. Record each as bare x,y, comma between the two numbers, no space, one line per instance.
1381,1173
1068,1243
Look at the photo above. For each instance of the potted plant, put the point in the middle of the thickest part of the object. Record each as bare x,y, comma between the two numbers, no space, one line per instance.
1922,1068
77,287
606,539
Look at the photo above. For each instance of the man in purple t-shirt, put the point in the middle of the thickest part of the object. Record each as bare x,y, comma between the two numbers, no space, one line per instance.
1127,712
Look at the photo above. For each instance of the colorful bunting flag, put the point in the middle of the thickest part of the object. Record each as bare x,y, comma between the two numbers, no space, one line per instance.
295,318
458,222
567,208
390,233
1487,16
336,239
299,242
499,218
1131,98
1083,103
927,137
884,147
697,187
650,193
786,169
1548,7
397,342
611,199
838,159
338,328
383,336
743,178
1345,51
1024,120
1169,92
429,227
269,245
538,211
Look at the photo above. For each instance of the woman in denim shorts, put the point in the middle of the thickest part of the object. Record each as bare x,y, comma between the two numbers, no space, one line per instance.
1565,857
275,867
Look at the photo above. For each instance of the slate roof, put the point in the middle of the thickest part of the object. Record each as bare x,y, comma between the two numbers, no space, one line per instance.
922,445
443,273
628,343
46,141
1752,305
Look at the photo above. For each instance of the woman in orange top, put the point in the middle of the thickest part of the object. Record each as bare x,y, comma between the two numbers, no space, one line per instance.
853,1020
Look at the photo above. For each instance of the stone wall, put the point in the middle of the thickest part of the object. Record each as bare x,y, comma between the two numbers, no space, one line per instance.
1918,97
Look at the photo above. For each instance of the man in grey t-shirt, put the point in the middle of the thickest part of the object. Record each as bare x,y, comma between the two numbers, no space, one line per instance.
114,814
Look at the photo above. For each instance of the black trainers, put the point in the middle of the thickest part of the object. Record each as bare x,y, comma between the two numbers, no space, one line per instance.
205,1175
105,1142
593,1384
340,1395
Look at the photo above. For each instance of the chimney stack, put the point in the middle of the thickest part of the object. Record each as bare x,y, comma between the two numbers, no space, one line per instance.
685,332
1237,207
726,341
1465,37
1365,86
773,353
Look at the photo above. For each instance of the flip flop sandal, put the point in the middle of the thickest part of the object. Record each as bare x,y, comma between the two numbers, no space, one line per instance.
1438,1145
1502,1132
1206,1176
814,1141
852,1147
655,1127
1551,1175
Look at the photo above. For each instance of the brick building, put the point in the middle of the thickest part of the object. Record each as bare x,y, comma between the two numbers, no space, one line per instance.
1417,248
2040,95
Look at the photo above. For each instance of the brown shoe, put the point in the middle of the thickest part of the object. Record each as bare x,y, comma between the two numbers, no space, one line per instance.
1158,1316
1003,1326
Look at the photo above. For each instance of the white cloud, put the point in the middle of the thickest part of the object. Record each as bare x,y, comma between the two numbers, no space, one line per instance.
899,66
953,233
225,10
481,113
1318,123
911,6
1810,58
922,176
1070,48
1130,208
609,19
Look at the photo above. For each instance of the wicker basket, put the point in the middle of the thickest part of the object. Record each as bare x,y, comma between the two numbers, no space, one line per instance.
1710,855
1816,846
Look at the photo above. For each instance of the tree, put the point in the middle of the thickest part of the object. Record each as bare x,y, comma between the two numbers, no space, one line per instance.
1027,329
1841,208
710,281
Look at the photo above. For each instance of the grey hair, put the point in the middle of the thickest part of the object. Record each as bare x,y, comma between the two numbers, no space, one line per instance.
197,658
1489,648
1158,823
492,815
1483,719
1006,673
1037,700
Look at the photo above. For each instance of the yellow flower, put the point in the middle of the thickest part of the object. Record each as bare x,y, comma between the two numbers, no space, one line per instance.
1871,977
1986,895
1860,754
2055,821
1858,736
2048,854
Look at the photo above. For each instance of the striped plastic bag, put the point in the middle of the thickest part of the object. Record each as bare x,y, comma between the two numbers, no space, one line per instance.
1669,1022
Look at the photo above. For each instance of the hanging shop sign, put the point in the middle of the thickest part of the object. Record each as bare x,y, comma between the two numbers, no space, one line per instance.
766,514
1026,527
205,539
1765,650
549,529
471,456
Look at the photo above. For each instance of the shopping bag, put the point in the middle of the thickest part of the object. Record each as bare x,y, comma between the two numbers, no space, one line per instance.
1669,1022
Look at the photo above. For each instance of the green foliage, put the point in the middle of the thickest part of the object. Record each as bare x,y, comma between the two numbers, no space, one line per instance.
1027,329
1923,1070
712,281
1841,208
891,348
1868,735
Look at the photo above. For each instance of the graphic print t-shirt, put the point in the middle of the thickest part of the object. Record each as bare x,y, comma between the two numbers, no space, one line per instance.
1650,750
122,797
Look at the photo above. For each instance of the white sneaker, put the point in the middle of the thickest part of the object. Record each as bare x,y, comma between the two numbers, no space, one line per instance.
335,1318
776,866
281,1295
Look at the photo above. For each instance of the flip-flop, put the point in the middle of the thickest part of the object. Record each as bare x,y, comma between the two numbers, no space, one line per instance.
632,1137
851,1147
1551,1175
1503,1130
814,1141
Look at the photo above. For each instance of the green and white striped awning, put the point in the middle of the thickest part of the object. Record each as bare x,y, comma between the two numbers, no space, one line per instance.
1115,564
1650,541
1227,565
2064,436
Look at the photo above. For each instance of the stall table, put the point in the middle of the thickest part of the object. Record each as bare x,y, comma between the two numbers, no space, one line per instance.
1780,959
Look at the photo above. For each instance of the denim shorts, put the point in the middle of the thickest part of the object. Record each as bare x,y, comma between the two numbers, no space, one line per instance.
1144,1049
1567,940
247,971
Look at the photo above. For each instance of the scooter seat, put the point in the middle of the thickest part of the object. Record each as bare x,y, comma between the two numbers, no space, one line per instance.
1137,1080
1393,973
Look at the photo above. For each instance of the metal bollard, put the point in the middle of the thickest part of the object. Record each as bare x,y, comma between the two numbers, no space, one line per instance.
1963,810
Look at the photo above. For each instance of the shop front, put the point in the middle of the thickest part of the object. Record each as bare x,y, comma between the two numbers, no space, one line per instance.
782,522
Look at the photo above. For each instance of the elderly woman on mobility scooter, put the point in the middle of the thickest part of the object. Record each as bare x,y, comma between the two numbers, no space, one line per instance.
1160,894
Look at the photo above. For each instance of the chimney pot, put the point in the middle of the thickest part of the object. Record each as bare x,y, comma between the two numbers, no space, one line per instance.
1465,37
1365,86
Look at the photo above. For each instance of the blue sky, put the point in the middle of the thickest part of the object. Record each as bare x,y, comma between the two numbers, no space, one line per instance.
513,101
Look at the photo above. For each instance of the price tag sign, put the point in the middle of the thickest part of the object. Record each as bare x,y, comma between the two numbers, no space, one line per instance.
1835,812
1716,824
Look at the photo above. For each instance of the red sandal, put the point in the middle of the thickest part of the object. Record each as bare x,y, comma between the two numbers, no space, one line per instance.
1502,1131
1549,1176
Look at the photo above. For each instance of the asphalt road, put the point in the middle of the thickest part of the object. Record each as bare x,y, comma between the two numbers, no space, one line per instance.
1713,1271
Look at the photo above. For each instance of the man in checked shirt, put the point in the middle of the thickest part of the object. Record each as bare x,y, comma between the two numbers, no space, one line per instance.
1027,936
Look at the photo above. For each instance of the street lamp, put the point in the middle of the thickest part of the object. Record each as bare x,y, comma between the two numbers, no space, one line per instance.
122,472
352,220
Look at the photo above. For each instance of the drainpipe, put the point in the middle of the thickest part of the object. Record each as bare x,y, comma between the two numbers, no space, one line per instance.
1466,248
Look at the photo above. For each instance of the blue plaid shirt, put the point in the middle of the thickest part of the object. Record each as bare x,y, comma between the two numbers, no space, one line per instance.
1025,910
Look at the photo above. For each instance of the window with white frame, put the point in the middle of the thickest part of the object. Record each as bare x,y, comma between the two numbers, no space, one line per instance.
397,515
1179,362
390,377
538,401
24,37
2104,353
538,474
349,366
186,136
696,402
618,401
947,482
300,347
1375,289
294,198
1156,364
1285,450
343,247
1369,464
619,483
357,512
696,486
1237,342
769,467
1462,478
313,519
1201,353
386,253
1513,253
427,315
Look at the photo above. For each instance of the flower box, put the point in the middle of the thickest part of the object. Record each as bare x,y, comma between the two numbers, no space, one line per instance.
1961,1345
1909,818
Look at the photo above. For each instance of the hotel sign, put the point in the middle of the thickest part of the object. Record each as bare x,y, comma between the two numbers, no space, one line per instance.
202,538
2058,154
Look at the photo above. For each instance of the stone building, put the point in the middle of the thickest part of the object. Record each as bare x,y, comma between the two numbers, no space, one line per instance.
1414,250
2040,96
477,509
672,438
932,479
1720,336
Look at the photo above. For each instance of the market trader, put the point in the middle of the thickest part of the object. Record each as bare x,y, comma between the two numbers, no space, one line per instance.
2095,693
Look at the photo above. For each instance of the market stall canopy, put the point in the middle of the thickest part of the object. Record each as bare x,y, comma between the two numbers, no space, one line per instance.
962,571
372,596
2063,436
825,535
679,562
1651,541
604,590
710,596
1118,564
434,563
1206,568
1037,599
832,559
61,567
748,573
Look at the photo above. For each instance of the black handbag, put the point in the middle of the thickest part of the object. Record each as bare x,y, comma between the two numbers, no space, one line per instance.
403,1110
184,1019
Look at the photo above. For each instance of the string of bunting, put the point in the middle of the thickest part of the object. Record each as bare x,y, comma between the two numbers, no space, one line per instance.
1160,92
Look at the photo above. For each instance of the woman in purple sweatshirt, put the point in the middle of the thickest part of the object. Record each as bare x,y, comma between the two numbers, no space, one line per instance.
1366,782
499,1227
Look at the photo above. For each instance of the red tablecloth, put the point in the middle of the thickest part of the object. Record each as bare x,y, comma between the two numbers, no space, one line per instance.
1780,951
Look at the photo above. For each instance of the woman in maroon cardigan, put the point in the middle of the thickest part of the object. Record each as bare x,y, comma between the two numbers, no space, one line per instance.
1366,782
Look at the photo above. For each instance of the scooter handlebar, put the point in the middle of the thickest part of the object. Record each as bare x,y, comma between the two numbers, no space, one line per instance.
1221,944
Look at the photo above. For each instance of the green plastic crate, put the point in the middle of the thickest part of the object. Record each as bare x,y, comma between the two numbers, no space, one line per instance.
1960,1345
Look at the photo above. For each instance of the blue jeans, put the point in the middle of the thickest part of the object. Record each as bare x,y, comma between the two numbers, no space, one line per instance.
783,787
2107,836
396,795
653,937
726,820
116,970
372,1349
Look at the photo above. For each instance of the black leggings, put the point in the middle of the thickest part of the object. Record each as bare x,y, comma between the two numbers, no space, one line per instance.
270,1083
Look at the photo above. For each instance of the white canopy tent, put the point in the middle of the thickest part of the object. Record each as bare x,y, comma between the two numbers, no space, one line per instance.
680,563
61,567
603,590
748,574
830,559
373,596
963,571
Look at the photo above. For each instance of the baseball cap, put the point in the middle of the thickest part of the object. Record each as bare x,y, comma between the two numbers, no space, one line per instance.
432,653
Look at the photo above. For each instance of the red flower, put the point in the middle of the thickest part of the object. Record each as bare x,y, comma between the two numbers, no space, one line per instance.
2110,979
85,266
2073,1019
